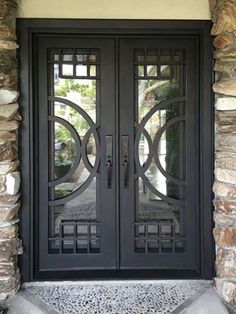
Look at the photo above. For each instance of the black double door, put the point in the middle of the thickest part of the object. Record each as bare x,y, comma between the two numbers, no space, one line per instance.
117,146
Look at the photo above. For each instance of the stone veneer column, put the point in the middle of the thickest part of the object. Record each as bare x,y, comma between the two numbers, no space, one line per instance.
224,28
10,246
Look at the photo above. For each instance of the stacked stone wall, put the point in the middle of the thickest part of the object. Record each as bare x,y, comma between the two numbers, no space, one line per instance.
10,245
224,30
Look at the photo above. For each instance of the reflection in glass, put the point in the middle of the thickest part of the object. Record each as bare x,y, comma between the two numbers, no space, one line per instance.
140,70
92,70
68,58
83,94
81,70
159,223
151,70
81,58
64,153
174,150
92,58
165,70
74,224
67,70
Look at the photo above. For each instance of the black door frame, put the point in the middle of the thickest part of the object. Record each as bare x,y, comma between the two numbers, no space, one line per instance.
29,30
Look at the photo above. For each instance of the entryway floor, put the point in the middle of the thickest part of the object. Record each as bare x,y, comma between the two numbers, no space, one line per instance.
117,297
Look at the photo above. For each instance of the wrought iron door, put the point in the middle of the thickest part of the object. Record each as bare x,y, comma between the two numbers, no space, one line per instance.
76,154
117,154
159,162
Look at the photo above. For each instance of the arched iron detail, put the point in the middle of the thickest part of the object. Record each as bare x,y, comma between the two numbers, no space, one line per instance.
81,146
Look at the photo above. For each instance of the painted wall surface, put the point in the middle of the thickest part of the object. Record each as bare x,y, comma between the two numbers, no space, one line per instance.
115,9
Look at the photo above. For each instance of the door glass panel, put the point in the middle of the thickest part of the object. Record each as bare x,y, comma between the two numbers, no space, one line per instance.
151,70
160,155
165,70
67,70
74,159
81,70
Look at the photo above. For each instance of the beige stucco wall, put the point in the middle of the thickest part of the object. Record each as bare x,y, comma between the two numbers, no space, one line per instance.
114,9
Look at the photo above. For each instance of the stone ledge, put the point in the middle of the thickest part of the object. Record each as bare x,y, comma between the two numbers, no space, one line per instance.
222,117
226,103
227,289
222,159
226,175
9,199
9,286
225,87
9,248
8,80
8,151
10,183
225,142
9,223
225,237
224,190
223,220
7,95
8,268
225,54
8,44
226,68
7,60
226,263
230,128
8,166
9,125
223,41
9,232
225,19
226,206
6,32
6,136
8,212
7,6
8,112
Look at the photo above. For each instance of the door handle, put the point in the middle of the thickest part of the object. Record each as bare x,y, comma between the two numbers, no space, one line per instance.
126,173
109,153
125,159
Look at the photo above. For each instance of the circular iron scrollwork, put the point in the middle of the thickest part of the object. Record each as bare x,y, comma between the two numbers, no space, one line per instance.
81,153
153,149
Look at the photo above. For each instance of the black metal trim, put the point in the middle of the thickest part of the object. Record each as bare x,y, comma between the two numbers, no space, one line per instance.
28,30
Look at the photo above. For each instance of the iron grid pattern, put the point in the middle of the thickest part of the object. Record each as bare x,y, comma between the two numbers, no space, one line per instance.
78,237
158,236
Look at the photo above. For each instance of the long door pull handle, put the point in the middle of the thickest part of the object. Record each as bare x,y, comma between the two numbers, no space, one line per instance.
109,156
109,173
125,159
126,173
